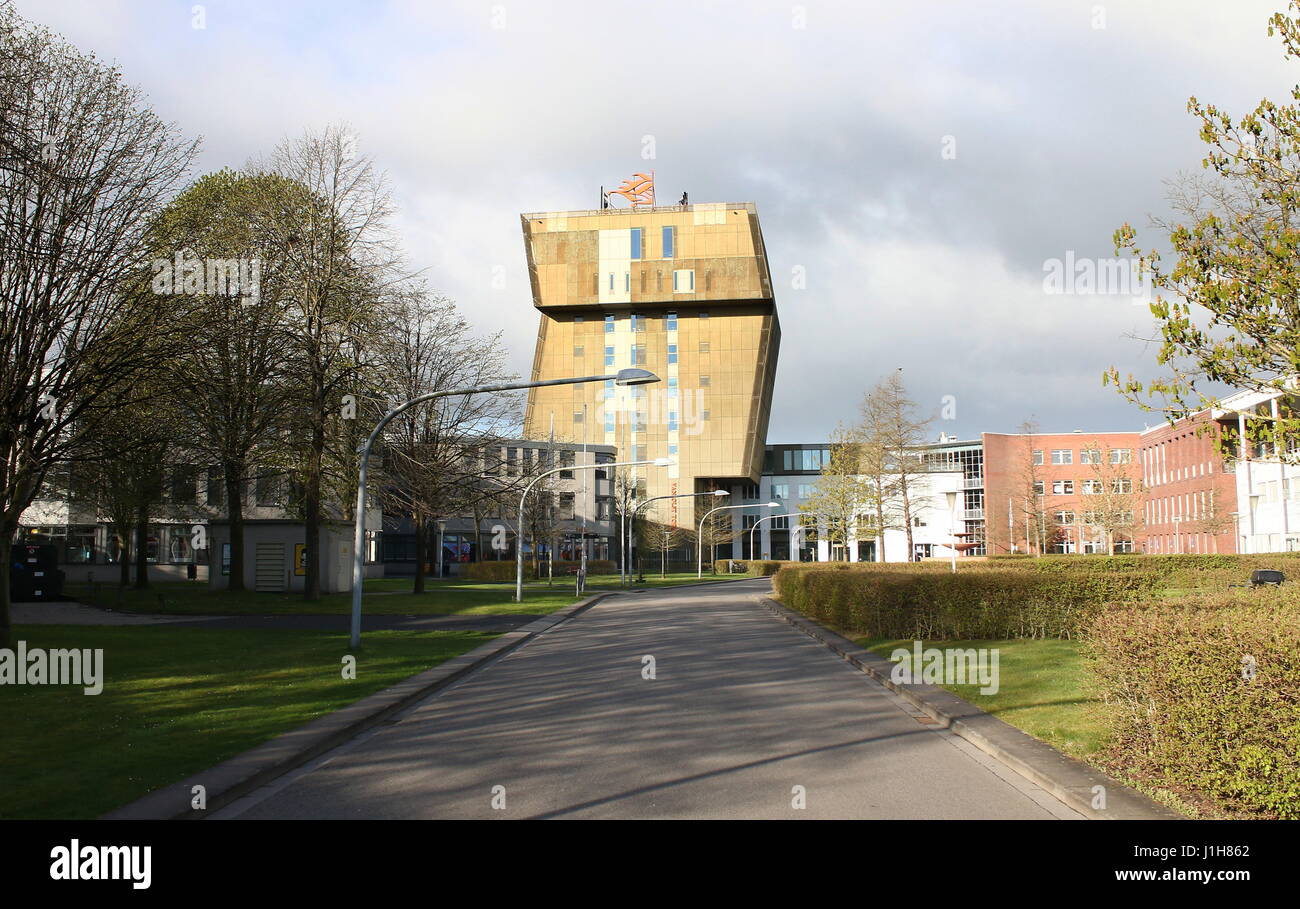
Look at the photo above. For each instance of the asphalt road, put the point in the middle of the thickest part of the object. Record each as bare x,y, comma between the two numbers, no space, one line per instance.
743,709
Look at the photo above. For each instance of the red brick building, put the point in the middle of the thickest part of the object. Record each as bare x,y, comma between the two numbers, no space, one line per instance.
1190,497
1037,488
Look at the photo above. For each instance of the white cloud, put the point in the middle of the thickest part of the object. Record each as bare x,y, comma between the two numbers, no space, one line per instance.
1062,131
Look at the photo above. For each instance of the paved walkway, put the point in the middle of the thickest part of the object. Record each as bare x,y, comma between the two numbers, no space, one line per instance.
743,710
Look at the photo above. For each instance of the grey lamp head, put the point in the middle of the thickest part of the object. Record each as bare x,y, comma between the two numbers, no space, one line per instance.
635,377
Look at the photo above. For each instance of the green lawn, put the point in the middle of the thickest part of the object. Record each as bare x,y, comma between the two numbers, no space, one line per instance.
1045,690
176,701
383,596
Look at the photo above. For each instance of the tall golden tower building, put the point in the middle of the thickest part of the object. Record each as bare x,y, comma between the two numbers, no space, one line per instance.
683,291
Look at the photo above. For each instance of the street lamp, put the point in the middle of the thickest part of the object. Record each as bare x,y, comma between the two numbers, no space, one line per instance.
717,493
519,533
800,530
442,526
622,377
768,517
699,536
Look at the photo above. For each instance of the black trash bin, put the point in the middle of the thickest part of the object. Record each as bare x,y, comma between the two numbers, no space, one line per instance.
34,575
1261,577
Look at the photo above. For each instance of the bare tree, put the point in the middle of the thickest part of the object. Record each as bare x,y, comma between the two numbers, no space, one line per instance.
876,465
84,168
891,426
1113,495
718,530
1040,528
662,539
339,257
431,452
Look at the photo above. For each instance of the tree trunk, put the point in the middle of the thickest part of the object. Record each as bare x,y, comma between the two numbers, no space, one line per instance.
6,565
880,522
421,551
234,480
142,550
907,523
123,533
312,515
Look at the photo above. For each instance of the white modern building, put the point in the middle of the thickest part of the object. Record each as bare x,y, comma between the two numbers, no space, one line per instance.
939,514
1267,516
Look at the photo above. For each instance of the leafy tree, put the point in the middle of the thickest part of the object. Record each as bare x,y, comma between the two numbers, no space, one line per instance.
841,493
230,382
1228,309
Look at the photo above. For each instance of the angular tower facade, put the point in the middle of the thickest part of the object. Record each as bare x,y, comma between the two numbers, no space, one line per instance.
683,291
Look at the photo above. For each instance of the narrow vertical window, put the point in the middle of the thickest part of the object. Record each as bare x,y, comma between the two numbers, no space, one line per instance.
636,243
668,242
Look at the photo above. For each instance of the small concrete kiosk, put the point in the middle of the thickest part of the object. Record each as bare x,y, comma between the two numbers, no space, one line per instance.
274,556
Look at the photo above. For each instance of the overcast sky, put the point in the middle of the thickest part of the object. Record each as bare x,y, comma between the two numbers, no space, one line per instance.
918,162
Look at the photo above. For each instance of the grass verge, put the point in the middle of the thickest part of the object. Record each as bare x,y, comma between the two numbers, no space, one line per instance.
383,596
1045,689
177,701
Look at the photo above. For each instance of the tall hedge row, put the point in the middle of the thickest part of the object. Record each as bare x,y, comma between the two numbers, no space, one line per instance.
929,604
756,568
1205,698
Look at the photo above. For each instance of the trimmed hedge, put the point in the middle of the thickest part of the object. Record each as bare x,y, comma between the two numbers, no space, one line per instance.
1184,715
937,605
489,571
756,568
1171,570
1177,571
505,570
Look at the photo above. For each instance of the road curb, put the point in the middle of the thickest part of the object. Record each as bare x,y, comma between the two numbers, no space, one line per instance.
1070,780
243,773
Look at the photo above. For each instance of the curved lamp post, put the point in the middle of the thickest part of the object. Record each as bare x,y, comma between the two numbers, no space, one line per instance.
768,517
622,377
717,493
519,531
699,536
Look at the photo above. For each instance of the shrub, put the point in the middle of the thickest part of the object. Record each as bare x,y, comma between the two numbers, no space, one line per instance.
1184,714
505,570
756,568
928,604
488,571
